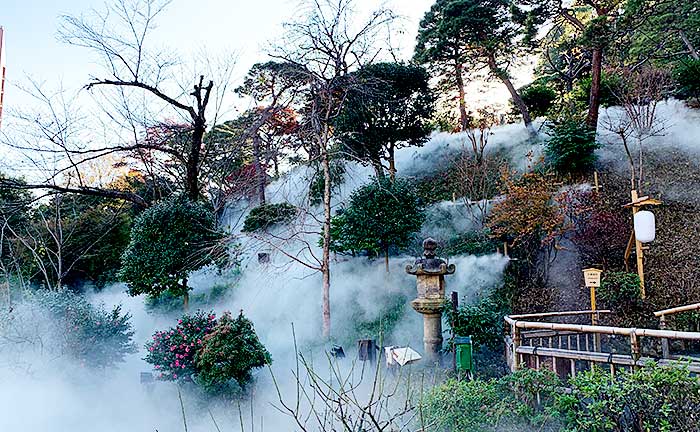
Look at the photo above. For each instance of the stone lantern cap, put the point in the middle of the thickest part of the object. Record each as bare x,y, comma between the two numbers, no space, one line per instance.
429,264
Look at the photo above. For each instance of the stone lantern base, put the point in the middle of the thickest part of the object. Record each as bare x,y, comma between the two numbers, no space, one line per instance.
431,309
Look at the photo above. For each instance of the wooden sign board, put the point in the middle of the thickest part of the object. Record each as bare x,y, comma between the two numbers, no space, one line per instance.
591,277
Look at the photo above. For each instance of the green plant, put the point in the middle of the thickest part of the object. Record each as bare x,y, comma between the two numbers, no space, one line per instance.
231,351
482,321
651,398
609,83
687,78
620,290
538,97
172,351
92,335
382,325
265,216
470,243
168,241
507,403
381,214
207,351
571,146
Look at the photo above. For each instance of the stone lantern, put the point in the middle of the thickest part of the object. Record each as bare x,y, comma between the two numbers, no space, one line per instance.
430,272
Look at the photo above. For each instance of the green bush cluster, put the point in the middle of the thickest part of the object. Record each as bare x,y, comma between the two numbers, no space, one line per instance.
482,321
66,323
571,146
651,398
687,78
208,351
470,243
265,216
620,290
539,98
380,215
491,405
168,241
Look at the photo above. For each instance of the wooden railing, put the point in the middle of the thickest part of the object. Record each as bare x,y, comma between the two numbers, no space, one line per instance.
663,324
567,348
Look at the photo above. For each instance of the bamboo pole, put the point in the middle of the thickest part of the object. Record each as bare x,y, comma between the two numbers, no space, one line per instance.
694,306
621,331
554,314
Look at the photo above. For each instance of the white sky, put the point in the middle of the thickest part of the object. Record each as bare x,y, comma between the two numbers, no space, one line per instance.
187,26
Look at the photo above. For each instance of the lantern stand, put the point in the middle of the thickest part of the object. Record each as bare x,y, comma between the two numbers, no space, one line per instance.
636,204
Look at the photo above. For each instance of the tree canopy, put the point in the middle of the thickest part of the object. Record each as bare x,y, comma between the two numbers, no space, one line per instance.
169,241
392,109
380,215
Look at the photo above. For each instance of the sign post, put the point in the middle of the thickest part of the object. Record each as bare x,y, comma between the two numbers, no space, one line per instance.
591,278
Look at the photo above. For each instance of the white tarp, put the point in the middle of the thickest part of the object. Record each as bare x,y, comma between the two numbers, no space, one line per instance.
400,355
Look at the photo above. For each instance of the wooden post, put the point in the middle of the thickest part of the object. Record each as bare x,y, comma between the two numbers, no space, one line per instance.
455,303
664,342
638,248
595,181
515,335
634,345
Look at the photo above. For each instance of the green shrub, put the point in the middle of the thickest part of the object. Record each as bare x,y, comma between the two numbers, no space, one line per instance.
571,146
470,243
538,98
169,241
608,85
652,398
620,290
380,214
207,351
231,351
263,217
395,310
492,405
65,323
483,321
687,78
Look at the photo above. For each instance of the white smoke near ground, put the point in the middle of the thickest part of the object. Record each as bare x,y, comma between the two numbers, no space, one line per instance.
57,395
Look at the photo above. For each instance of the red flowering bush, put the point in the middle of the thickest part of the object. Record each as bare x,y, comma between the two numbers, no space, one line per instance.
171,352
212,353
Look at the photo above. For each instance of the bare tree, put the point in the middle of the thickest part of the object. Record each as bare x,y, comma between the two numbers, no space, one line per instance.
639,95
327,45
352,397
139,86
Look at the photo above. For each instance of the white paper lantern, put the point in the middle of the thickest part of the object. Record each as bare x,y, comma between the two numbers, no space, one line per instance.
644,226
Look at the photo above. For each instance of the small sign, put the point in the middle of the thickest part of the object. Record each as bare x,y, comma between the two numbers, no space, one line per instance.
591,277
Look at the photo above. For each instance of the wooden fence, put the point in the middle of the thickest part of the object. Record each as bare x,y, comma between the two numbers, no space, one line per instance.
567,348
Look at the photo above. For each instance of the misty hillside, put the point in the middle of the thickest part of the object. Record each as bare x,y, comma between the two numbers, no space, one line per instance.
419,216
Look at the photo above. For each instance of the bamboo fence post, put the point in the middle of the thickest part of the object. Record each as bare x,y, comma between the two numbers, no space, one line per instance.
665,351
634,345
515,335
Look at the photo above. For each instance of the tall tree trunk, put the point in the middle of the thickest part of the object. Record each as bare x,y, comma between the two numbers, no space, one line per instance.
192,180
325,160
259,172
185,296
392,163
386,259
463,117
378,168
689,45
594,99
517,100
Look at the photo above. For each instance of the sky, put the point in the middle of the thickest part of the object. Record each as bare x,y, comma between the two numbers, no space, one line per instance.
242,27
